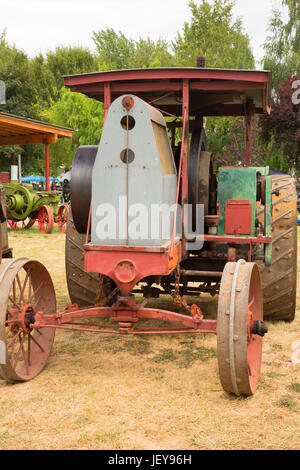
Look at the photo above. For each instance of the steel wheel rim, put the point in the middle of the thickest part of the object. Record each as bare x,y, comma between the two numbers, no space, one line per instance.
254,346
45,219
239,350
63,214
26,287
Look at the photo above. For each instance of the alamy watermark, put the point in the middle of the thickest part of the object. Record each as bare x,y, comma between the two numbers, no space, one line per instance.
296,352
154,223
2,352
2,92
296,94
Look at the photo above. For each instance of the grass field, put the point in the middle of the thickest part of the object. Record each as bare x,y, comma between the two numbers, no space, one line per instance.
104,392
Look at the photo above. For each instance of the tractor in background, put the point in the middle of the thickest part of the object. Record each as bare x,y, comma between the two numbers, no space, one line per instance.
25,205
6,252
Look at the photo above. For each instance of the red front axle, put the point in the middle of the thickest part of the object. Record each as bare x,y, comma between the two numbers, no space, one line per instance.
126,313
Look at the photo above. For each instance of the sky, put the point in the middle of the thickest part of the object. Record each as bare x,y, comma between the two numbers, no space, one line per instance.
40,25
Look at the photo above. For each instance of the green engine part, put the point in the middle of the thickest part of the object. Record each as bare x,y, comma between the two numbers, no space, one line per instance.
239,184
23,201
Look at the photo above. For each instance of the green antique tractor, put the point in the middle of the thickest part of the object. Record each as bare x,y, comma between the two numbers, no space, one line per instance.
25,206
5,251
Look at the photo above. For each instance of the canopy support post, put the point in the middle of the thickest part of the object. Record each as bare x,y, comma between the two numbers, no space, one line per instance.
250,111
185,148
47,166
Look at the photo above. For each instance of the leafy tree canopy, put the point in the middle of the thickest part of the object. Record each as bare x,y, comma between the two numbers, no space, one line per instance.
85,116
213,33
282,127
115,51
282,45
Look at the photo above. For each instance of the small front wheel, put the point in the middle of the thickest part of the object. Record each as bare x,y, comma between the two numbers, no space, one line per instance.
62,218
45,219
240,328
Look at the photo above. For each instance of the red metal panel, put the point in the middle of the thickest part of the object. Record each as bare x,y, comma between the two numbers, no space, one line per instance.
128,267
4,177
168,73
166,85
238,217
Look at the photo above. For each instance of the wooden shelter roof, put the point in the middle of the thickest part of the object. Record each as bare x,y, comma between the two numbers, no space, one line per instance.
17,130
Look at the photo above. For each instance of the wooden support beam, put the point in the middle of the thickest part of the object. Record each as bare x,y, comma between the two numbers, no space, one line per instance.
28,139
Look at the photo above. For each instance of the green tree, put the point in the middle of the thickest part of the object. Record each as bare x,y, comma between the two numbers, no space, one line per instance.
149,54
213,33
22,98
282,45
263,152
81,113
115,51
69,61
282,127
47,71
292,28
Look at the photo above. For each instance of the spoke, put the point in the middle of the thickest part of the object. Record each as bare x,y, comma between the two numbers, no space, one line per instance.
14,302
37,302
24,357
19,284
35,292
14,289
36,342
28,351
7,332
24,286
12,351
18,353
29,289
13,339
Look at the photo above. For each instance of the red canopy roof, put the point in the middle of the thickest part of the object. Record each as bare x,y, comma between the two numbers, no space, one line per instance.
213,92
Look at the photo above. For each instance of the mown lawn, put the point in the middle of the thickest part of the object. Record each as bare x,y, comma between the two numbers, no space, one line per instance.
103,392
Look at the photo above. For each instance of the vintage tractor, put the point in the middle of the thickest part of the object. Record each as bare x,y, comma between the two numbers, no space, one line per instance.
6,252
25,205
150,217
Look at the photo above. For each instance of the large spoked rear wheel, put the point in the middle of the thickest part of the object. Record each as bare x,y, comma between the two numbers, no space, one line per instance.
240,315
26,287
